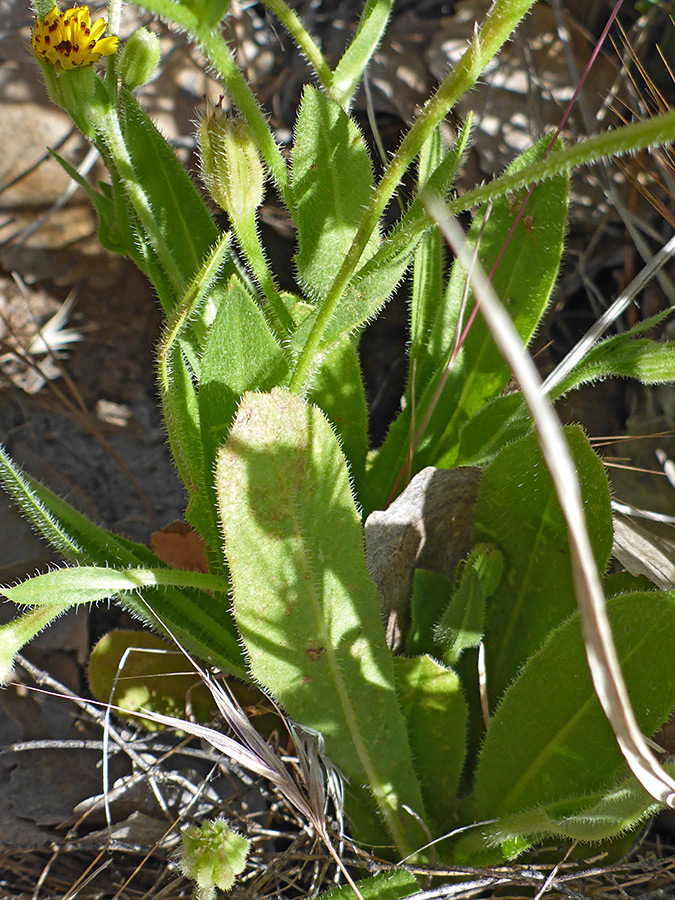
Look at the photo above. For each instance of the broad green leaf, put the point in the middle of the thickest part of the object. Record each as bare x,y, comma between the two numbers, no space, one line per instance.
518,512
462,624
306,610
210,12
349,71
212,855
625,583
241,354
338,390
524,278
369,290
332,183
181,417
178,209
427,345
550,741
435,712
394,885
146,259
203,624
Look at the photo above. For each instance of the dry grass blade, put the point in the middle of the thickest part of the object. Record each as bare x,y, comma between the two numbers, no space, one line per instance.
600,651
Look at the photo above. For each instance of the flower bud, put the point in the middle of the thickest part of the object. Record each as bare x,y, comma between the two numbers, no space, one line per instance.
230,163
139,58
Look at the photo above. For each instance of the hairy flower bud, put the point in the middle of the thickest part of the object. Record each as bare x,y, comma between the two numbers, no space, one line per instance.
230,163
139,58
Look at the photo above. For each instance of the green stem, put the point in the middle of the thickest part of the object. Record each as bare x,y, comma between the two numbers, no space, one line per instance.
500,23
304,40
627,139
246,231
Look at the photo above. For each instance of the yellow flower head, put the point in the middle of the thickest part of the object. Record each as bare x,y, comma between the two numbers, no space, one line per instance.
68,40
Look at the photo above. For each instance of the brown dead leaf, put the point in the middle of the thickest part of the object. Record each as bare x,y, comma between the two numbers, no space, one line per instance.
180,547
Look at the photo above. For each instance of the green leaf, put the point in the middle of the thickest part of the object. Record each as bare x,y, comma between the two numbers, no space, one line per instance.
550,741
110,235
88,584
332,184
518,512
179,373
374,283
435,712
394,885
349,71
462,624
181,417
587,819
212,855
463,621
649,362
178,210
139,670
339,392
209,12
306,610
241,354
625,583
426,347
203,624
498,423
523,279
431,591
